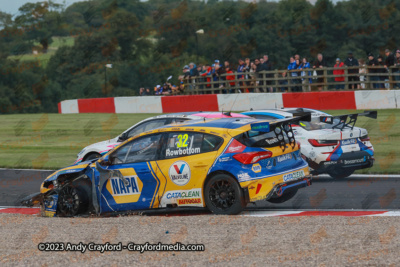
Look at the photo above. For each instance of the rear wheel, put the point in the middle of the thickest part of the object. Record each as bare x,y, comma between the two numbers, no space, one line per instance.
72,200
285,197
340,173
223,195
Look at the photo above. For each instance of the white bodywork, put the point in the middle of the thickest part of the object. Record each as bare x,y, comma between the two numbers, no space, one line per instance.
346,149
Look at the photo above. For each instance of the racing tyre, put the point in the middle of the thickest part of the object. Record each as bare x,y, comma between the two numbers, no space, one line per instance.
285,197
92,156
223,195
340,173
72,200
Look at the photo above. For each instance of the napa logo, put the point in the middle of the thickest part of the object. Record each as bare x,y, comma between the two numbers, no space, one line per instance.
179,173
256,168
118,188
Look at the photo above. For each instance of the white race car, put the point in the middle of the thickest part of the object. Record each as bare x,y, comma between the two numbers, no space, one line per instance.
96,150
330,144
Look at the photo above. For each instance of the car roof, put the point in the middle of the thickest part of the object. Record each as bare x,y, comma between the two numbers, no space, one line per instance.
282,112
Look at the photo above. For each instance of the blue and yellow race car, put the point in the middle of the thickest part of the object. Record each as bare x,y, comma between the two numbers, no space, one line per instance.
221,164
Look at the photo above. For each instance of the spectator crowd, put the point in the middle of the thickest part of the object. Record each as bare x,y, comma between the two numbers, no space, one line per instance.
247,75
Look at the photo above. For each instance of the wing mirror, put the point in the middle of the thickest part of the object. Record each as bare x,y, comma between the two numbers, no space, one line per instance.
105,161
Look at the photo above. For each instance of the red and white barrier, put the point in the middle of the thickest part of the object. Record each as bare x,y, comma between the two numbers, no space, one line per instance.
368,99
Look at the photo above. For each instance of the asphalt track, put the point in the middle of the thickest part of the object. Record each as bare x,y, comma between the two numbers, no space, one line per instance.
356,192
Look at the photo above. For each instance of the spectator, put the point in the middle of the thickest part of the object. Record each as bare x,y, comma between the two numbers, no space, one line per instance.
261,60
142,92
319,64
200,79
259,68
296,74
372,70
193,70
296,57
157,89
306,65
363,71
352,78
148,91
186,72
241,69
290,68
247,76
253,76
283,82
267,66
164,90
396,70
231,79
217,76
338,71
382,71
226,64
390,58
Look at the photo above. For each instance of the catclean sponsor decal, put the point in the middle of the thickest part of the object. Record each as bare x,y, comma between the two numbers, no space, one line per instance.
192,197
179,173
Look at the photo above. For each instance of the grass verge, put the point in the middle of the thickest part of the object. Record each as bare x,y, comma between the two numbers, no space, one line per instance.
51,141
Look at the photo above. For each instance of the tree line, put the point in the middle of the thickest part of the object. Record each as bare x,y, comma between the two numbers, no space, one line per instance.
146,42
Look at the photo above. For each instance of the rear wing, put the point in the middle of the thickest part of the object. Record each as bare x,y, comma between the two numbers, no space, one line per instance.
347,120
280,127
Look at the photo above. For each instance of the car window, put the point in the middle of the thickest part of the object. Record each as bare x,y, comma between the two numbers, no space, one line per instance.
139,150
260,139
178,120
146,126
181,144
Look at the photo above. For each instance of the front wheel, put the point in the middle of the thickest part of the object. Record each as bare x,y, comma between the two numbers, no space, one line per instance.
285,197
340,173
223,195
72,200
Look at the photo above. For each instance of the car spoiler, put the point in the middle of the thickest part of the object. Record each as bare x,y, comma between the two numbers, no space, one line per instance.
347,120
280,127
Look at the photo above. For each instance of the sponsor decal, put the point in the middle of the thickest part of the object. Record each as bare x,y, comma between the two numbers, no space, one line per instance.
189,201
260,127
225,159
180,152
235,147
119,189
243,175
271,140
353,161
293,176
256,168
184,194
295,133
327,163
284,157
191,197
179,173
349,142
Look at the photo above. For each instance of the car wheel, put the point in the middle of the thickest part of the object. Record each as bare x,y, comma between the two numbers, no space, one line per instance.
72,200
285,197
340,173
223,195
92,156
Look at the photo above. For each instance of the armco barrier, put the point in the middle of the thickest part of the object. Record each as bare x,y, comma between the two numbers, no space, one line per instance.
368,99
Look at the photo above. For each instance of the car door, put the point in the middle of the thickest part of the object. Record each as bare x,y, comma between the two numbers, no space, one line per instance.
135,161
184,163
